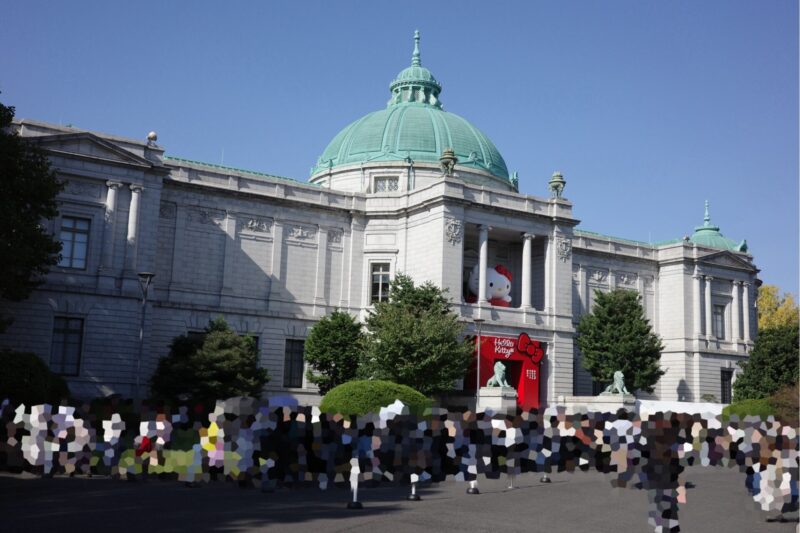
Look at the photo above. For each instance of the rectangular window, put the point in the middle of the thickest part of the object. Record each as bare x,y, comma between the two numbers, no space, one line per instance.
380,282
598,387
293,364
386,184
726,377
65,354
74,238
719,321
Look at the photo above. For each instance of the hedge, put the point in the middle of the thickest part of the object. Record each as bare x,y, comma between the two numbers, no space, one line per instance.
761,407
783,405
362,397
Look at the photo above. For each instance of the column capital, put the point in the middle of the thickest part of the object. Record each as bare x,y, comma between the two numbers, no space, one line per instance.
745,283
484,227
736,282
528,236
111,184
709,278
135,187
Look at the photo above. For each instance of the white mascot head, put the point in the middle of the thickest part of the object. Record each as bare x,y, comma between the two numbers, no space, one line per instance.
498,284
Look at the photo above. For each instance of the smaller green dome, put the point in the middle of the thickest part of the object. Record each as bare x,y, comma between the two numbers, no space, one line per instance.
710,236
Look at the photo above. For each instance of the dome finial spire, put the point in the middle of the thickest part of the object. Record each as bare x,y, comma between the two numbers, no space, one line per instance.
415,62
707,217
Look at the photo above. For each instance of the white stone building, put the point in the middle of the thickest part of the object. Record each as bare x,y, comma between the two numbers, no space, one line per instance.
273,255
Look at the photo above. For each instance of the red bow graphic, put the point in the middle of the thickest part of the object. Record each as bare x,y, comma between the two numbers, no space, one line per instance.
530,347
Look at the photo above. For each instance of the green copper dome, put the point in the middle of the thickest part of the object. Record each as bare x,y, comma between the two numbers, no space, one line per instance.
709,235
414,126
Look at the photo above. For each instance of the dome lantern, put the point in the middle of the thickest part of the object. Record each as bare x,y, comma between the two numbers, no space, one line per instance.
415,84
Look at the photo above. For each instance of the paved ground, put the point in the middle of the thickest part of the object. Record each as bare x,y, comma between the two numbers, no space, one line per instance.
572,503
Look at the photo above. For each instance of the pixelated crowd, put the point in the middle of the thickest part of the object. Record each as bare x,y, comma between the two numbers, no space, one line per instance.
247,441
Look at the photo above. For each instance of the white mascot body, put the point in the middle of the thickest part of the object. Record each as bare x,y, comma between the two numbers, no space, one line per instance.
498,285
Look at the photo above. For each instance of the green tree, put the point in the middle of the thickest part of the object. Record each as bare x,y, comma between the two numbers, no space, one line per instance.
772,364
333,350
414,339
28,189
617,336
775,309
222,365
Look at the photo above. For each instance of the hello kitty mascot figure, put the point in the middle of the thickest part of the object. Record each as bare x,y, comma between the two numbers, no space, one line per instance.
498,286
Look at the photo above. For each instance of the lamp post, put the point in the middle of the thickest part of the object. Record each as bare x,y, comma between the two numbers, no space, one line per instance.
478,322
144,283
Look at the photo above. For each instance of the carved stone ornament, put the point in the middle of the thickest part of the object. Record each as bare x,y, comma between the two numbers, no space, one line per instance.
167,210
564,247
82,188
626,278
206,217
257,225
454,230
335,236
599,275
302,233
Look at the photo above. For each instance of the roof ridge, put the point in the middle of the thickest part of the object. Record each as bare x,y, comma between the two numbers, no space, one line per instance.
588,233
224,167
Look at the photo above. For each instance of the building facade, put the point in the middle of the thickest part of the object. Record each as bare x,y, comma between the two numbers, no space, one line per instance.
410,188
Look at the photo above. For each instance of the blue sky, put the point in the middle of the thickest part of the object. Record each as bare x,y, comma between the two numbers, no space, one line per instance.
648,108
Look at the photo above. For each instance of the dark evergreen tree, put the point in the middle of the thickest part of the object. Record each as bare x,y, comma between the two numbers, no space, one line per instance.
221,365
617,336
414,339
333,350
28,189
772,364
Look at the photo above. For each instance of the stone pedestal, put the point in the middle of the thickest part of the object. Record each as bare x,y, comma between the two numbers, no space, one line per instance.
604,403
498,399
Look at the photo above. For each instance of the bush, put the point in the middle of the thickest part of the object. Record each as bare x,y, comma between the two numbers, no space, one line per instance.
333,350
223,365
415,339
787,405
362,397
25,378
772,365
761,407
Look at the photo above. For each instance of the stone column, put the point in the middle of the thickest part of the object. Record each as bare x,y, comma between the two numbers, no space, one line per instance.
275,270
737,307
526,270
746,310
696,309
483,245
709,315
107,262
133,225
231,248
320,280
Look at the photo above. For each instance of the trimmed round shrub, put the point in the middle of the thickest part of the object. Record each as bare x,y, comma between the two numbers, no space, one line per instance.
362,397
761,407
27,379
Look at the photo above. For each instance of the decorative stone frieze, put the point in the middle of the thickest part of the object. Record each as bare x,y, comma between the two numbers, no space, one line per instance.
564,248
454,230
300,233
167,210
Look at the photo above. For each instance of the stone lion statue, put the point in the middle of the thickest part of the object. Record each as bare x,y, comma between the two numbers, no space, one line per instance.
499,377
618,385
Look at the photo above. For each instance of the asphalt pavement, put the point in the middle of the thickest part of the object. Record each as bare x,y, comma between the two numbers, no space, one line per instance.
581,501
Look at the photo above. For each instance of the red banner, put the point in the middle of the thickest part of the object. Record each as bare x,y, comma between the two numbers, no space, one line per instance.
522,357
